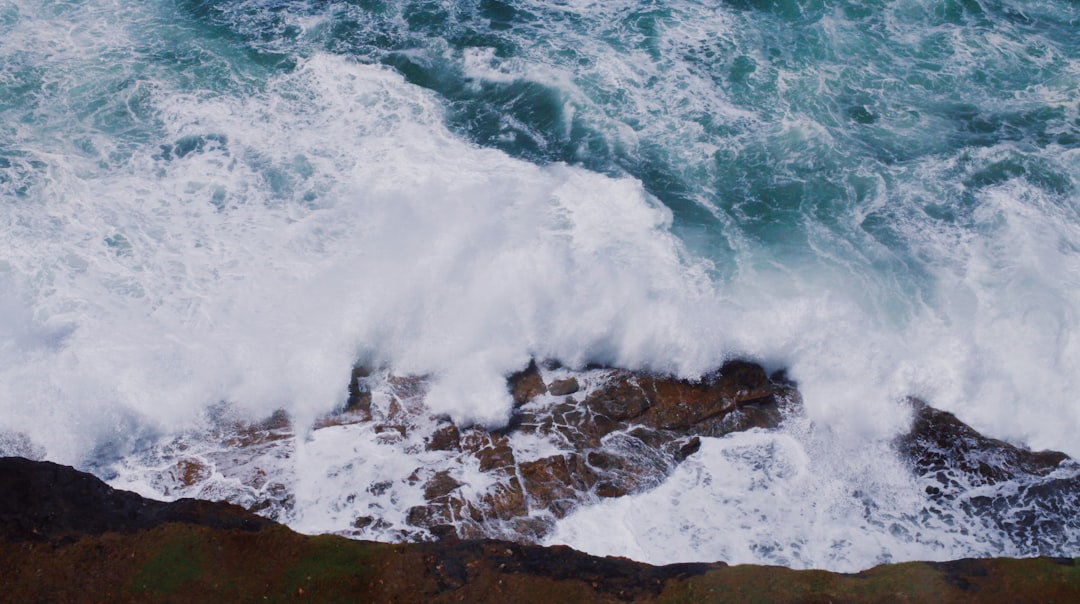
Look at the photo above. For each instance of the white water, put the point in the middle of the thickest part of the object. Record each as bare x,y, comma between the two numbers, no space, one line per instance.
330,216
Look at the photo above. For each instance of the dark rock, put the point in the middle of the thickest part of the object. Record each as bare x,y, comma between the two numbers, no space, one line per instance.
150,556
443,532
526,385
359,396
563,387
363,521
1033,497
379,488
689,448
427,515
938,440
42,501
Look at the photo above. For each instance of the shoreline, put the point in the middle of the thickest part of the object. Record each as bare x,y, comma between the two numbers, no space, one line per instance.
71,537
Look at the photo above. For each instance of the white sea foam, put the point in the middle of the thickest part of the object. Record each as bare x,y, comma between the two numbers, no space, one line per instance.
801,499
331,217
183,245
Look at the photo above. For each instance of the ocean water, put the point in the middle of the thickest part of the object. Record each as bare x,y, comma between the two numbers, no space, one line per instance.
206,202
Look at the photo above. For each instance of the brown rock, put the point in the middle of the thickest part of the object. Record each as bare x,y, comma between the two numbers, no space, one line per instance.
621,399
440,485
526,385
494,452
428,515
446,438
563,387
555,482
359,395
363,521
506,500
189,472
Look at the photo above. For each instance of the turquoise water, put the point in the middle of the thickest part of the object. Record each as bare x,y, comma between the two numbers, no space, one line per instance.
235,201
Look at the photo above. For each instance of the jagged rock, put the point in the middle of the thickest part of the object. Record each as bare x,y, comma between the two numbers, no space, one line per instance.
211,557
188,472
447,438
526,385
939,441
1033,497
688,448
622,399
440,485
494,452
680,404
359,400
627,434
555,483
505,501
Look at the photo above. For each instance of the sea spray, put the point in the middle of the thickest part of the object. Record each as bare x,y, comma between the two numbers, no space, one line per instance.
236,201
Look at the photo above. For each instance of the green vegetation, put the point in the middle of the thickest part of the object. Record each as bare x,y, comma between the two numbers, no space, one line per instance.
180,561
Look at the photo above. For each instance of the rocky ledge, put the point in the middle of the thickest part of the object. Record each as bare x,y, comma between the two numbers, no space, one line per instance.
67,536
385,468
574,438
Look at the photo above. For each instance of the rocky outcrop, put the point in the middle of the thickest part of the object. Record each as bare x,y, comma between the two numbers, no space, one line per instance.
40,500
390,470
68,537
1032,498
624,432
939,442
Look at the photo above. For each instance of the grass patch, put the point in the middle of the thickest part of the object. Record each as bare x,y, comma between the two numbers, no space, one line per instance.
180,561
331,569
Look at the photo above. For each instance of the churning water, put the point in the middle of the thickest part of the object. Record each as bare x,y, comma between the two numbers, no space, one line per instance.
237,200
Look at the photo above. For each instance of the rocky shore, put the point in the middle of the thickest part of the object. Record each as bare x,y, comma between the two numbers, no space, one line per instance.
65,536
468,505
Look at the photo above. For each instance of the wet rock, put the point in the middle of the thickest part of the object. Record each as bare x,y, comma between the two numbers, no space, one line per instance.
630,431
189,472
505,501
447,438
555,482
494,452
526,385
380,487
689,448
440,485
362,522
621,399
680,404
428,515
939,441
359,400
1032,497
564,387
